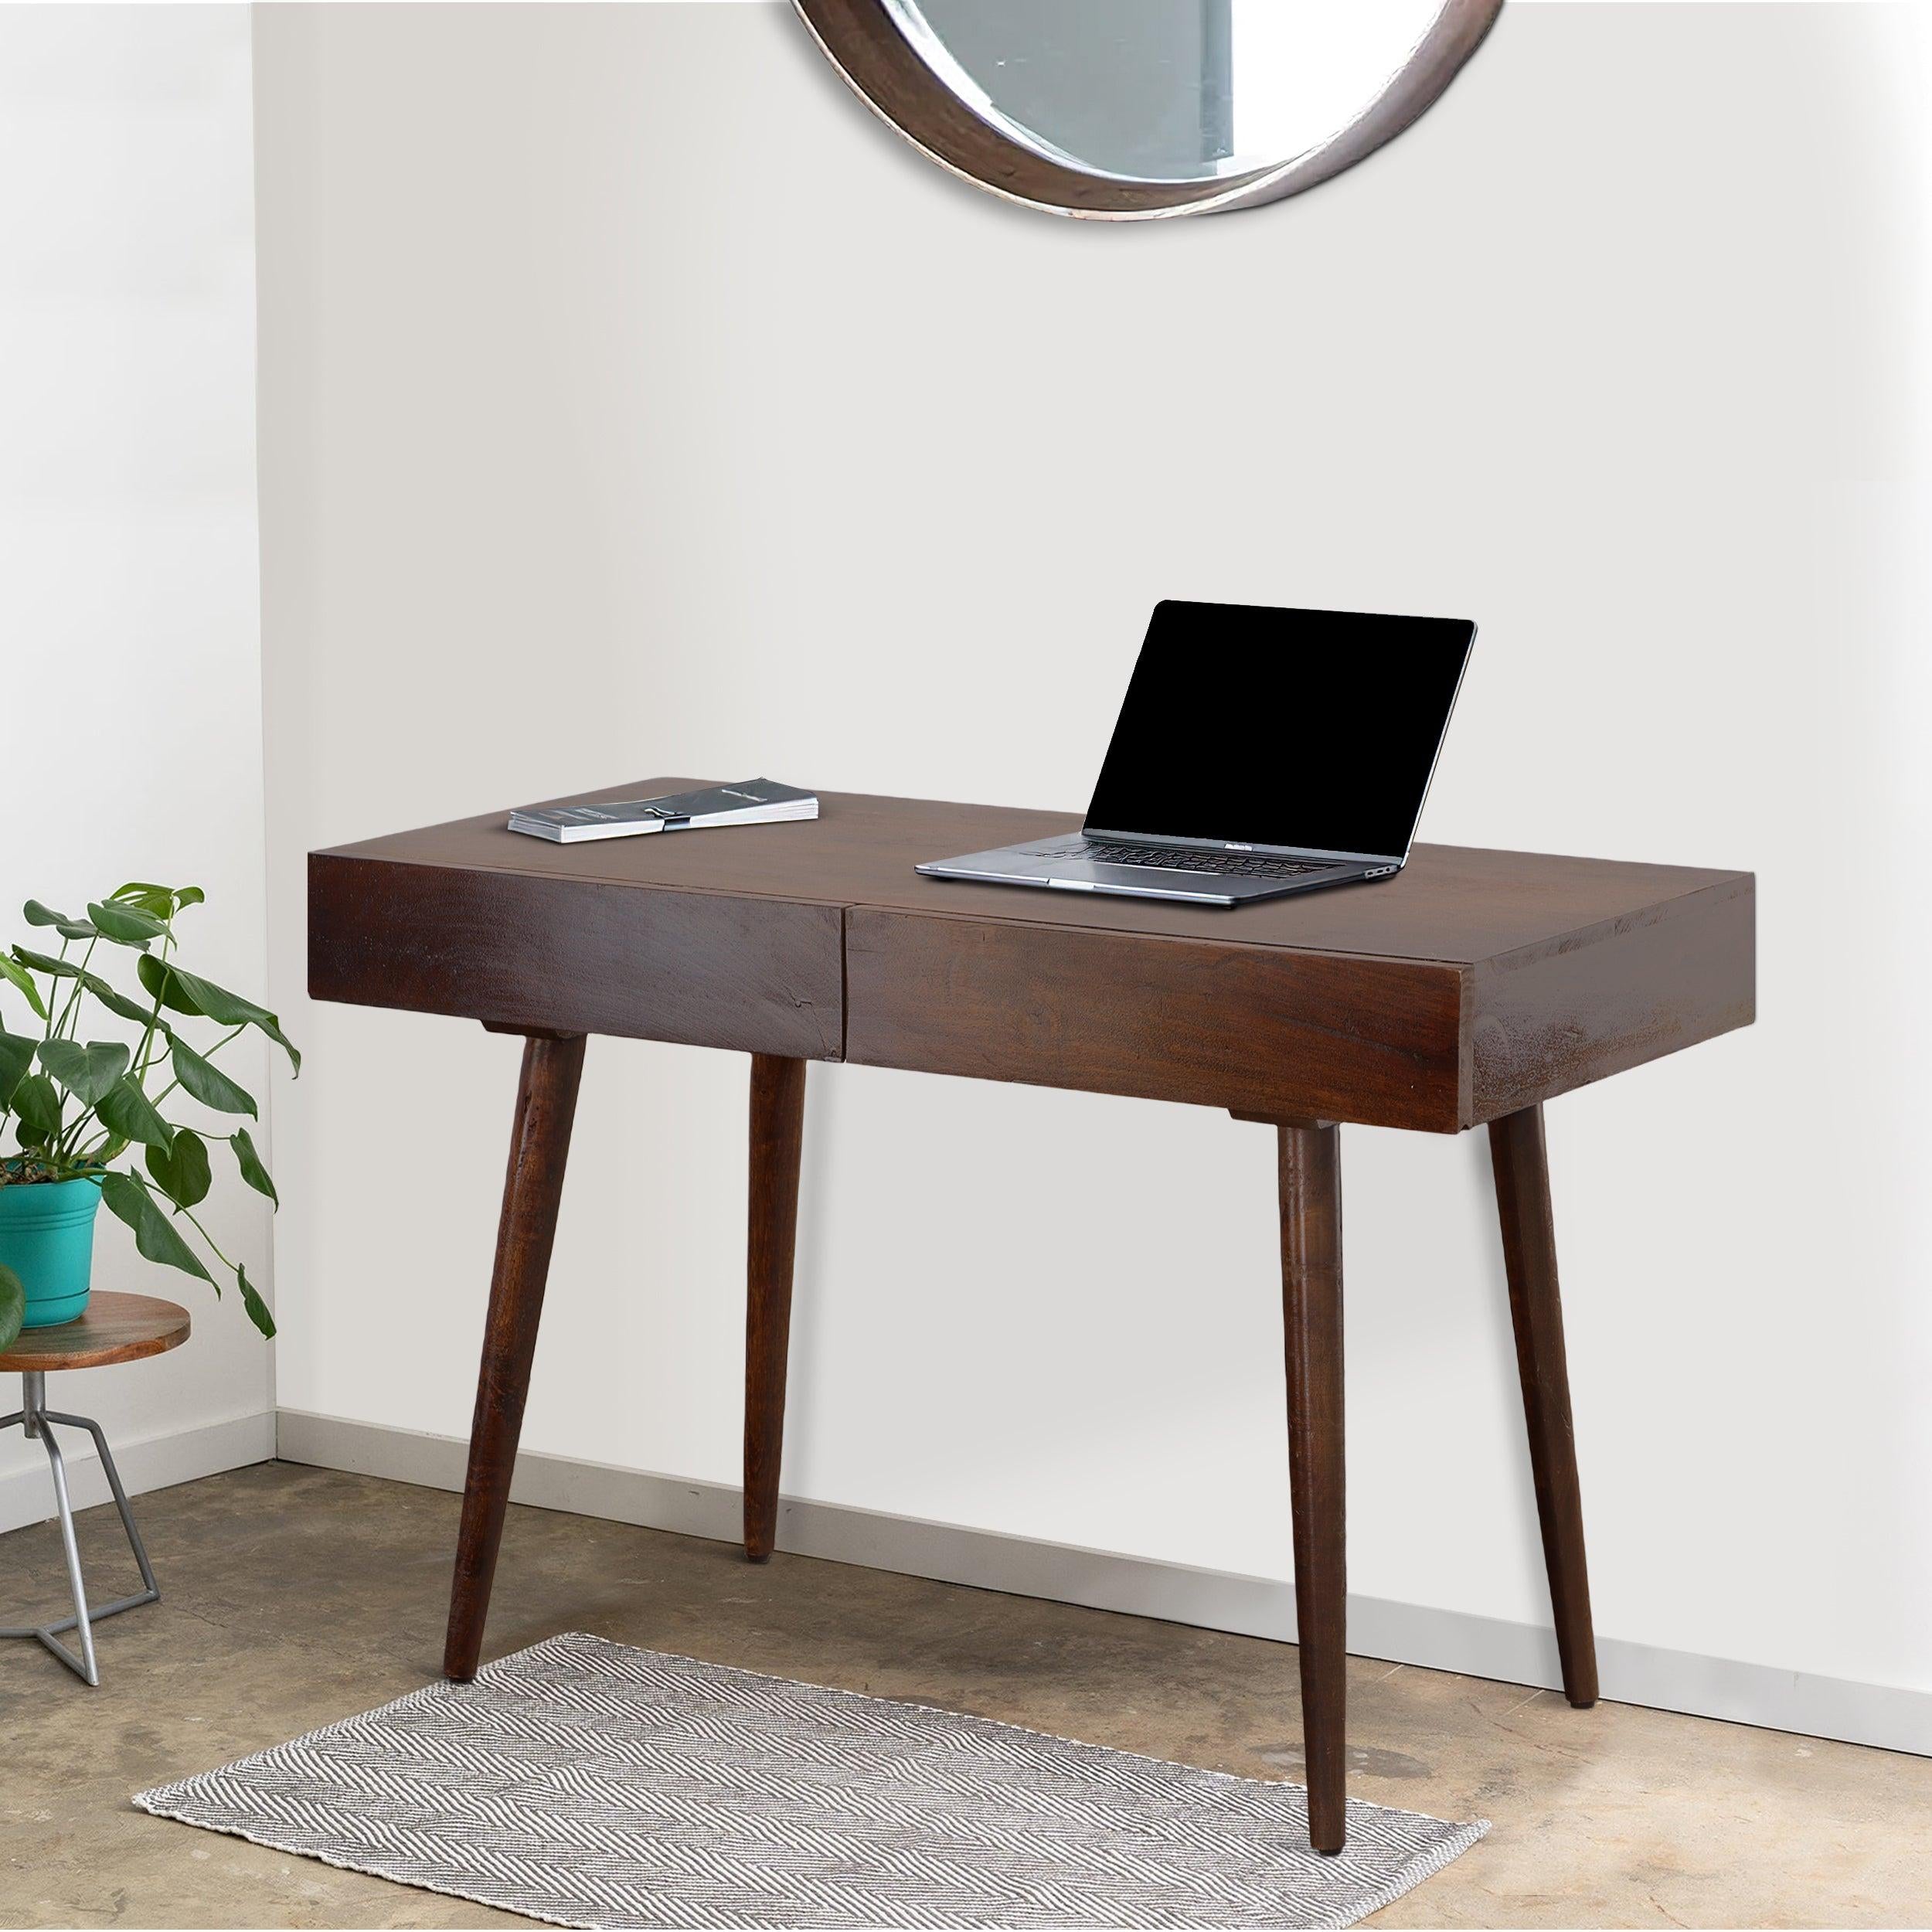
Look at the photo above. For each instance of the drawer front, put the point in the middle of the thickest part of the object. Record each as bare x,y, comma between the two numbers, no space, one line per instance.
1257,1029
708,969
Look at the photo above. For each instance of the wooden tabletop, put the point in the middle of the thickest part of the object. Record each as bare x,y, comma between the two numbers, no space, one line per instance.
116,1327
1473,983
1454,902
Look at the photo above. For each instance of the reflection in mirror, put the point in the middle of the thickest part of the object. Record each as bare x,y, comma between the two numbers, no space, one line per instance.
1166,90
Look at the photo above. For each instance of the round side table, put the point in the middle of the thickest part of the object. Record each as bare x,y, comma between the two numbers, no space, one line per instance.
116,1327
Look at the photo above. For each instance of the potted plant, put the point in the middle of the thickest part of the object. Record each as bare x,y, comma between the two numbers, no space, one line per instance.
99,1120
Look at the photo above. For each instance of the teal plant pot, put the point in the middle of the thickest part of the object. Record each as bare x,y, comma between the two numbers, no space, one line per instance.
47,1238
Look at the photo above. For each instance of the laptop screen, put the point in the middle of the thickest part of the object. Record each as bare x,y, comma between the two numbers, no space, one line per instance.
1314,729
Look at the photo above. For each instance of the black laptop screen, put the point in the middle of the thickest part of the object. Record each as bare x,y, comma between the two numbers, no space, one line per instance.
1316,729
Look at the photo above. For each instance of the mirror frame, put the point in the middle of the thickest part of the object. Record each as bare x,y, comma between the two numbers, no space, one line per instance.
863,42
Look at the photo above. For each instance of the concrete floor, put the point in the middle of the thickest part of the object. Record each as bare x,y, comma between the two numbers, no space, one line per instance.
294,1596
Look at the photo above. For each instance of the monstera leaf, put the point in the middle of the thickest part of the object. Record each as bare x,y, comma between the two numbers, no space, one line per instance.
110,1111
13,1308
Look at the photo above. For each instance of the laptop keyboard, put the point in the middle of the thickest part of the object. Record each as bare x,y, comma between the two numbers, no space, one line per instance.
1222,865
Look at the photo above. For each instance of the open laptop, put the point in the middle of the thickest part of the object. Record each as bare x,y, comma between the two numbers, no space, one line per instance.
1259,752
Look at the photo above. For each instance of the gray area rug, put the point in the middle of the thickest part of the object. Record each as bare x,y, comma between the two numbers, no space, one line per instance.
591,1784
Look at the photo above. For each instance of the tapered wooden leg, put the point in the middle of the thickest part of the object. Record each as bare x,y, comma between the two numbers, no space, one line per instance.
546,1098
1517,1152
778,1137
1311,1305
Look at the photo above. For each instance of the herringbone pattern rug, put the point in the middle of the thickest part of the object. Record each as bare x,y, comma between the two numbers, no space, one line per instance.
591,1784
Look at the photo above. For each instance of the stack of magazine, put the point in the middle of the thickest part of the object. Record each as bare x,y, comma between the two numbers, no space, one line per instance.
756,801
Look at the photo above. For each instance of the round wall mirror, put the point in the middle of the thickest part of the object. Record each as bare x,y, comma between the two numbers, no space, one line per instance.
1132,109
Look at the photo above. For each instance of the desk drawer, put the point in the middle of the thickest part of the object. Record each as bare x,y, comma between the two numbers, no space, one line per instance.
1260,1029
709,969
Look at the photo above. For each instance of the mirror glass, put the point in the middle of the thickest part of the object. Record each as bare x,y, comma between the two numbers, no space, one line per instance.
1166,90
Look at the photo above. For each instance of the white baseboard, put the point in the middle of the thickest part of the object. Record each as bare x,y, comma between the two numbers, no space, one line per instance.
1893,1719
150,1462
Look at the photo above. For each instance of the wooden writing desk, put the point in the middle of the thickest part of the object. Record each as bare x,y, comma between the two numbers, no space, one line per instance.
1466,991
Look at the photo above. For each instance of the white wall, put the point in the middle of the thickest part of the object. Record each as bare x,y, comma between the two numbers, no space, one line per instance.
632,403
129,633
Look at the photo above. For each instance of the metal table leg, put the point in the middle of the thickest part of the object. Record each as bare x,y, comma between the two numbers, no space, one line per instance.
35,1418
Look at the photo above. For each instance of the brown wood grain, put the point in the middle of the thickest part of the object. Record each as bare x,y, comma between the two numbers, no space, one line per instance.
1554,1015
523,950
1310,1203
1455,904
777,1141
546,1100
114,1327
1520,1158
797,941
1256,1029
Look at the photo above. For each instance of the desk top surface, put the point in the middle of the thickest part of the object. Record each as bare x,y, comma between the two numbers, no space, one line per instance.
113,1328
1454,903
